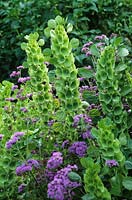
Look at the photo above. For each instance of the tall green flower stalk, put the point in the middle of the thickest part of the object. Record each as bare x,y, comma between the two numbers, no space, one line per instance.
41,88
109,92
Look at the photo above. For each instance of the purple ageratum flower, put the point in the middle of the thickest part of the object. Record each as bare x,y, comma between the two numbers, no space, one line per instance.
21,188
20,67
23,109
87,135
51,122
23,79
100,37
49,175
88,53
55,160
88,44
61,187
20,170
11,99
65,143
88,67
33,163
14,73
14,87
15,137
77,118
112,163
78,148
1,136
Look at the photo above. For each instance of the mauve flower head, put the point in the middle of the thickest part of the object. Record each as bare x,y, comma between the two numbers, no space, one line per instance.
46,63
51,122
11,99
1,136
88,44
65,143
23,79
20,170
14,73
112,163
49,175
77,118
55,160
88,53
60,188
33,163
100,37
87,135
14,87
88,67
23,109
21,187
100,44
78,148
20,67
29,95
14,138
81,79
85,49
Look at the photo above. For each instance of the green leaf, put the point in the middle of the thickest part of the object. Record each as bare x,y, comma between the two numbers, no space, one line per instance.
116,41
123,52
73,176
128,164
47,32
51,23
74,42
94,132
123,139
121,67
94,113
69,28
51,75
127,182
115,186
85,73
94,50
88,197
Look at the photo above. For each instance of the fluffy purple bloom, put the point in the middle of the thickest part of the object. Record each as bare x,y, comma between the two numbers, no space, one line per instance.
11,99
100,37
78,148
23,109
87,135
33,163
23,79
20,67
81,79
88,67
77,118
20,170
88,44
60,188
21,188
1,136
29,95
65,143
55,160
51,122
14,87
49,175
15,137
14,73
88,53
111,163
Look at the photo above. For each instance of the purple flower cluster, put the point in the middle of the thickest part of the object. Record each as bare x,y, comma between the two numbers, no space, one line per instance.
15,137
51,122
21,188
60,187
78,148
14,87
91,88
20,67
49,175
77,118
87,135
26,167
65,143
11,99
14,73
23,109
112,163
23,79
100,37
55,160
1,136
